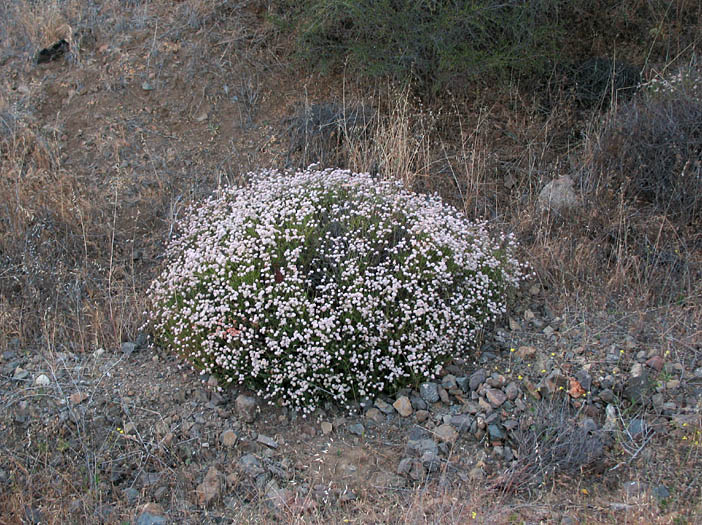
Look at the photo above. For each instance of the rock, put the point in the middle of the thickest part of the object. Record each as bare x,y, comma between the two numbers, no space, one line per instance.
267,441
278,498
636,370
584,378
151,514
131,495
637,428
78,397
443,395
512,391
327,427
251,465
413,468
403,406
554,382
495,432
357,429
637,389
228,438
128,348
422,415
375,415
210,487
42,380
21,374
558,195
461,422
446,433
526,352
418,403
607,395
449,381
33,515
246,408
634,488
430,461
661,492
419,446
477,378
384,407
611,422
429,392
495,397
463,383
146,86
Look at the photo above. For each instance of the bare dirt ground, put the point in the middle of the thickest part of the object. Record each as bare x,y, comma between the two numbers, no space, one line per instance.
583,405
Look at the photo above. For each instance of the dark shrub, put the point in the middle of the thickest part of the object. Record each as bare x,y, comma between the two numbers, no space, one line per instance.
652,151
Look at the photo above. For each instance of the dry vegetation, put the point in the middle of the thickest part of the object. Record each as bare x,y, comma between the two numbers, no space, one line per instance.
158,103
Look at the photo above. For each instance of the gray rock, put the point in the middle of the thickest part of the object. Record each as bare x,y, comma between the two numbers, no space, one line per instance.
429,392
418,403
637,427
634,488
128,347
251,465
584,378
42,380
495,432
267,441
33,515
21,374
449,382
607,395
246,408
431,461
412,468
463,383
661,492
384,407
512,391
477,378
278,498
417,432
558,195
131,495
358,429
461,422
637,389
146,518
420,446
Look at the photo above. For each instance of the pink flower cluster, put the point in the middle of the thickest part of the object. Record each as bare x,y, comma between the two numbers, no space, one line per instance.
327,285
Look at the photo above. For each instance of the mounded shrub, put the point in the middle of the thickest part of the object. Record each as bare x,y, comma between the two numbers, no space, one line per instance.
652,148
327,285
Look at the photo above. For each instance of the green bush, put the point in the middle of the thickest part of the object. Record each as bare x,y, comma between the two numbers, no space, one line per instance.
436,44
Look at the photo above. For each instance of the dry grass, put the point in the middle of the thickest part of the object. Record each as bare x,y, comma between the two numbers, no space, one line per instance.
89,201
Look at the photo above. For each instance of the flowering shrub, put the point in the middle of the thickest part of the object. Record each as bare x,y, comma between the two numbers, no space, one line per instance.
327,285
